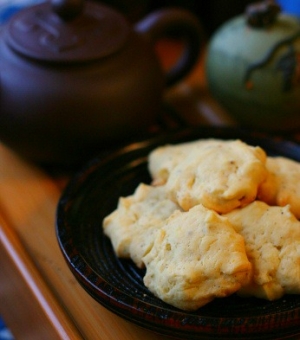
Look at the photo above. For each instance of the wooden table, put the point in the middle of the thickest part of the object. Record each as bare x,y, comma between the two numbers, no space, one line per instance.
39,297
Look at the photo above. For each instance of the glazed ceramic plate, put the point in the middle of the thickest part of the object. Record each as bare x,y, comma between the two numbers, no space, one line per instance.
118,285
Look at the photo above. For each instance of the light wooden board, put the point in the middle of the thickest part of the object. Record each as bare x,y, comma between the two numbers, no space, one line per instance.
28,199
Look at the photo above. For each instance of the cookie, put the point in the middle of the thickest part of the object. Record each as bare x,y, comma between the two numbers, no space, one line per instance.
282,185
197,256
272,239
132,226
220,175
163,159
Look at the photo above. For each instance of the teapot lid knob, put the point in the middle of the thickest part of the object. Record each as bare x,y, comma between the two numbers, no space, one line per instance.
67,31
67,9
262,14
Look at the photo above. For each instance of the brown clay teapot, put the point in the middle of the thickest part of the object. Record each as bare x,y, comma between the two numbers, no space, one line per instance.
75,75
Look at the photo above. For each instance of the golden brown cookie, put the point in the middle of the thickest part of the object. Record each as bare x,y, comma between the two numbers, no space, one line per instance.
196,257
132,226
282,185
272,238
221,175
163,159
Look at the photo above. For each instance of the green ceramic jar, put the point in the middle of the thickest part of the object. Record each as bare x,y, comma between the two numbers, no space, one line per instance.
253,68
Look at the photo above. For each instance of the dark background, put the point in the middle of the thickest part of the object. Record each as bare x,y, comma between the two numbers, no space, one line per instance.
211,13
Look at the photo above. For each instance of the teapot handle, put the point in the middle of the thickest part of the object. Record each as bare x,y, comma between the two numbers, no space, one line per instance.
164,22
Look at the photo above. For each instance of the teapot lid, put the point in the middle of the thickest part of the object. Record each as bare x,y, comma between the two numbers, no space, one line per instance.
67,31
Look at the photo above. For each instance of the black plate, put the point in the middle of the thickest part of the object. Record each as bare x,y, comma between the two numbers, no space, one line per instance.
117,284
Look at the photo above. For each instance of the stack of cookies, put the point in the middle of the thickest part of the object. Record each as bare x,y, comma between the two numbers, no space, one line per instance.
220,217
